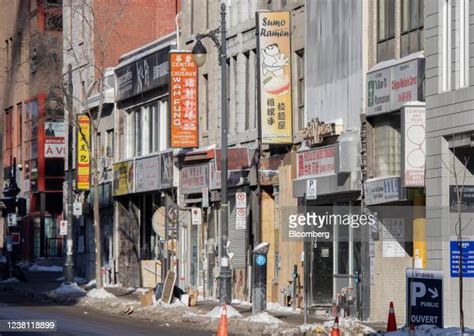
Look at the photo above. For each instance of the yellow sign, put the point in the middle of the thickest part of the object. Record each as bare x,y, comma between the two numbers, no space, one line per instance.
124,178
274,47
83,154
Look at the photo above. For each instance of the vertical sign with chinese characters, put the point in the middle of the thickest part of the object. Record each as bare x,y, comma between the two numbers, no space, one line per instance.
183,100
413,146
83,155
274,50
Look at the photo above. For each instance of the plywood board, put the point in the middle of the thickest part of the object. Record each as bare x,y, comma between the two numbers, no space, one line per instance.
167,294
150,273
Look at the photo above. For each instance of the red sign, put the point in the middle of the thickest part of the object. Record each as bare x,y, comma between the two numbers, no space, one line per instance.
316,162
237,159
15,238
183,100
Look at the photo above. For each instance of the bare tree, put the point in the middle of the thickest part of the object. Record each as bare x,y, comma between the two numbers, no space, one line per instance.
92,64
458,171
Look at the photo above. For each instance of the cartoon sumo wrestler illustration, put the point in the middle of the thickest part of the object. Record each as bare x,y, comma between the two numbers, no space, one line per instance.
273,63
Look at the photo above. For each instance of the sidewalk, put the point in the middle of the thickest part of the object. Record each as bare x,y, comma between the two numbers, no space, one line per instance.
127,302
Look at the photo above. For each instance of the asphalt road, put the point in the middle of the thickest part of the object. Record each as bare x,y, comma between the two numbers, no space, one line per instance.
73,320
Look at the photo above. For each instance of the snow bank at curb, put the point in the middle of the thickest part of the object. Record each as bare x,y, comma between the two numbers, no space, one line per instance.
100,294
78,280
263,317
277,308
425,330
349,325
39,268
70,289
10,280
217,311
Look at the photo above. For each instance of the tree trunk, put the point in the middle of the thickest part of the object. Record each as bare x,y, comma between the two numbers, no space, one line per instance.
97,231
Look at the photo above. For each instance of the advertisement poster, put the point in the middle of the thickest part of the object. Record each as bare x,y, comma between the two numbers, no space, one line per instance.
54,139
148,174
413,146
83,155
183,100
274,50
316,162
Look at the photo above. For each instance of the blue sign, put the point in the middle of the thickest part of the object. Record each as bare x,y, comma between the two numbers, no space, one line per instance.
467,258
260,260
424,297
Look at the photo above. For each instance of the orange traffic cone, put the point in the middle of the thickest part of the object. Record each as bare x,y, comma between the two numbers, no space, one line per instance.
335,327
392,321
222,329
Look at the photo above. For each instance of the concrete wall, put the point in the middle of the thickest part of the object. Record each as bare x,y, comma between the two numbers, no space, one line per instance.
447,113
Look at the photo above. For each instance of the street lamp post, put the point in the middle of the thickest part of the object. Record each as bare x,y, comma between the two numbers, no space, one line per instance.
199,56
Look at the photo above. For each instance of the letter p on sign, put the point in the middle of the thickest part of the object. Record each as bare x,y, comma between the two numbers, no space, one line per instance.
419,290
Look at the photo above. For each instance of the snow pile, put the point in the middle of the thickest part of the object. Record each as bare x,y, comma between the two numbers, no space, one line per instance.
425,330
10,280
263,317
216,312
71,289
241,303
279,309
349,325
78,280
100,294
90,284
175,304
141,290
39,268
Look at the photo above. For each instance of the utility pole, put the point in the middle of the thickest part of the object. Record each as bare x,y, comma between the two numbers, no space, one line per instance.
69,264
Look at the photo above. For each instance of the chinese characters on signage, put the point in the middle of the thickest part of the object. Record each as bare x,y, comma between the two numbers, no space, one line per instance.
124,178
83,154
390,88
316,162
413,140
183,100
54,139
148,174
274,48
383,190
194,178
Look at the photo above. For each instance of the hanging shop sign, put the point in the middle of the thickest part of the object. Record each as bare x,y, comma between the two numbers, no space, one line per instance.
274,51
183,100
413,146
388,89
194,178
124,178
147,73
316,162
383,190
147,174
54,139
83,154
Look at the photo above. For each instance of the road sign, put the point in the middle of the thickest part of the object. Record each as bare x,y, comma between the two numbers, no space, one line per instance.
205,197
240,200
77,209
311,189
467,258
63,228
11,219
424,297
241,219
196,216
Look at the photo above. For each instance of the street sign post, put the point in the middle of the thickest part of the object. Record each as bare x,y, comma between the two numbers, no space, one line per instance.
240,200
424,297
241,219
311,189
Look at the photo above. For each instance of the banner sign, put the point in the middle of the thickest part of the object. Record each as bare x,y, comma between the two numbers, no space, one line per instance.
316,162
54,139
183,100
166,169
413,146
147,174
274,51
124,178
83,154
194,178
424,297
467,198
145,74
383,190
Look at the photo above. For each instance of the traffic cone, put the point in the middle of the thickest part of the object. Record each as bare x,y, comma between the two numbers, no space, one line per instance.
392,322
335,327
222,329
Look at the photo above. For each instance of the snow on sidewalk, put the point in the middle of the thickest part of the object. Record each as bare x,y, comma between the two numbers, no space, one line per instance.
263,317
217,311
100,294
70,289
39,268
425,330
78,280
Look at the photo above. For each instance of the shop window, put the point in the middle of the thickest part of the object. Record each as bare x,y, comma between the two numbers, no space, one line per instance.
385,29
445,45
387,145
463,43
412,19
110,143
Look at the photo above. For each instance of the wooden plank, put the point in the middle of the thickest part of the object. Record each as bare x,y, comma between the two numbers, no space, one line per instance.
167,294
